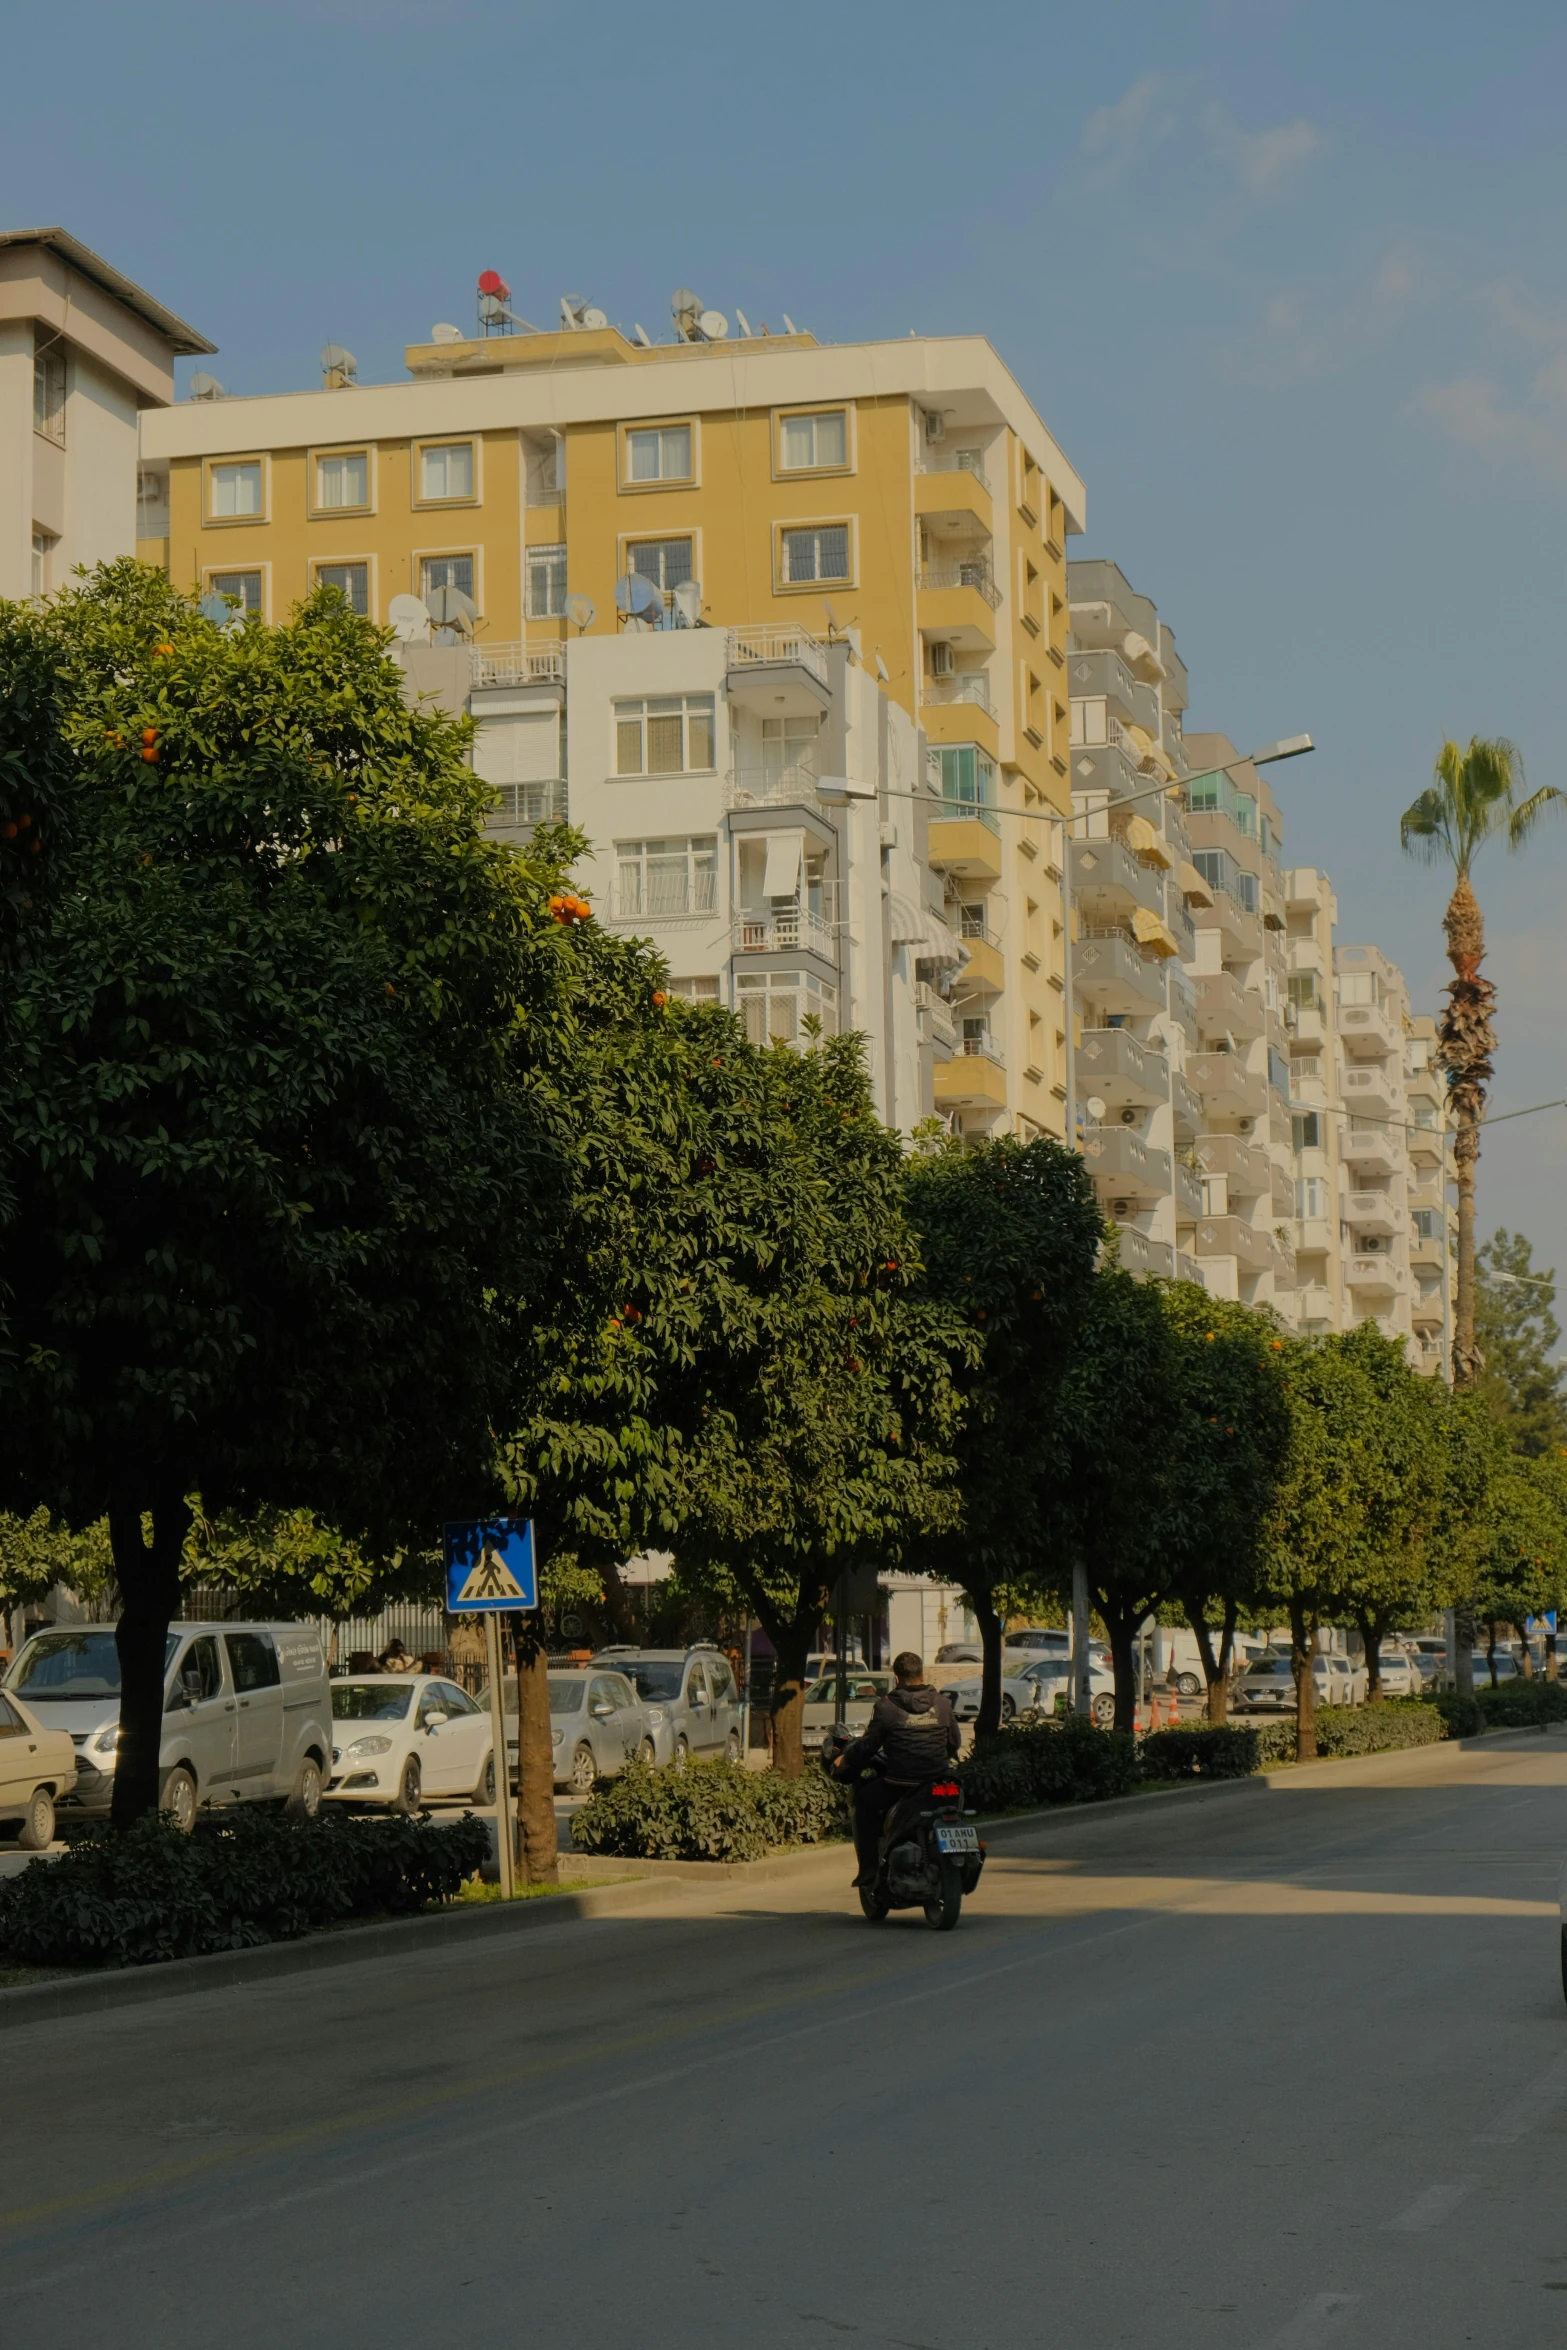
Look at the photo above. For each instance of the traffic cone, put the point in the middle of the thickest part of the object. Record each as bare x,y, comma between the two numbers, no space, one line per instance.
1153,1711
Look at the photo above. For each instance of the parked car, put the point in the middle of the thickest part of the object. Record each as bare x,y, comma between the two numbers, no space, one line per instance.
1507,1668
247,1713
1032,1688
1401,1674
1268,1684
1430,1652
821,1704
698,1690
1351,1678
37,1768
1041,1640
598,1723
401,1738
960,1652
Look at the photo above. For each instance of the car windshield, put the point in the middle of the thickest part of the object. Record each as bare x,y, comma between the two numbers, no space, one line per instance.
862,1691
566,1692
653,1676
1266,1667
62,1667
371,1701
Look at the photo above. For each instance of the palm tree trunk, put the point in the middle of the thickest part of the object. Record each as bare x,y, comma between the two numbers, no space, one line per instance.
1468,1041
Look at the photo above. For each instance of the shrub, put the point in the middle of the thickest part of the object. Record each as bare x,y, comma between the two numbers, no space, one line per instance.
1275,1744
1202,1751
1462,1717
708,1811
1377,1729
241,1878
1520,1705
1062,1761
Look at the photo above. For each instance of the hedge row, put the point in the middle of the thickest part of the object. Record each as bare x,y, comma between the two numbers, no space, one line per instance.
708,1811
1065,1760
240,1878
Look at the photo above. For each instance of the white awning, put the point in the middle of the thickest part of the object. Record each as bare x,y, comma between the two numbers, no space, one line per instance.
921,927
784,852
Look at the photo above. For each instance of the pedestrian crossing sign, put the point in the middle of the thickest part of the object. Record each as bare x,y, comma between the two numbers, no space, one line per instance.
489,1565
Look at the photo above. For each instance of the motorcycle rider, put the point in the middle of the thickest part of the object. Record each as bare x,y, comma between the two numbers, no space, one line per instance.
915,1732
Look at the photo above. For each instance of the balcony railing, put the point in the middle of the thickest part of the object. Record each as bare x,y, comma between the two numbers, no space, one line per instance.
784,933
952,810
961,461
972,924
980,1048
791,784
530,803
519,664
763,644
963,575
971,687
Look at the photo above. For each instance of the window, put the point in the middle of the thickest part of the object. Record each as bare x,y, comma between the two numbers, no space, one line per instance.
446,471
1309,1195
49,394
243,586
695,991
200,1675
1216,794
546,583
11,1722
667,877
1306,1130
1303,991
1220,871
452,571
44,544
343,482
666,562
809,443
351,580
659,453
235,491
252,1660
968,780
1358,987
664,734
776,1004
822,552
1424,1222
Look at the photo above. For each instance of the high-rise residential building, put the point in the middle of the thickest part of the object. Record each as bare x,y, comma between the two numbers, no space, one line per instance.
1311,914
83,352
761,567
1433,1210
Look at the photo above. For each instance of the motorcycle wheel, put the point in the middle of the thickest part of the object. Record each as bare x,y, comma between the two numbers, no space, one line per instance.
941,1915
875,1905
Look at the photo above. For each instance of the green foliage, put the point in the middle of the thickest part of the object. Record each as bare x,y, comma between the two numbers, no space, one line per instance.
1377,1729
1518,1335
1200,1751
709,1811
1066,1760
1520,1705
281,1563
37,1552
1472,800
242,1878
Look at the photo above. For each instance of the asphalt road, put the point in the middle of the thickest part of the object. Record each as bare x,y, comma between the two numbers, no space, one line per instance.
1268,2072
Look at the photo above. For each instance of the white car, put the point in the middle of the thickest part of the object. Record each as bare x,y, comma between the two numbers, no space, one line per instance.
400,1739
1032,1688
821,1705
37,1764
1401,1674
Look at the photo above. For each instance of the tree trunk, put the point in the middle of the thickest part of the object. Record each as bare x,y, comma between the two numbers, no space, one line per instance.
618,1604
1216,1670
1466,1354
1371,1640
535,1760
148,1574
989,1622
792,1641
1490,1652
1303,1647
1526,1660
1123,1644
1550,1656
1463,1659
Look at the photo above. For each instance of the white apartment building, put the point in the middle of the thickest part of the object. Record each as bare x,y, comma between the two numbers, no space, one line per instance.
1311,913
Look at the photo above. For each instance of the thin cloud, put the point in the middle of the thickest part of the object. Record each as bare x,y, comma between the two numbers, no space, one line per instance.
1302,335
1262,160
1475,414
1140,118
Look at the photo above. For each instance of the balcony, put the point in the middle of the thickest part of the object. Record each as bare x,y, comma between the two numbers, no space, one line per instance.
1144,1258
1307,1025
519,665
778,671
791,783
1188,1109
1187,1185
787,931
1303,888
976,1074
1111,971
1374,1212
1124,1166
1424,1253
1372,1151
1375,1276
957,602
1369,1093
1229,1236
1105,767
520,806
1108,880
1304,954
1246,1170
937,1024
965,838
959,709
1228,1088
1103,676
968,689
1367,1030
955,500
1225,1007
1429,1145
1314,1307
1112,1064
984,968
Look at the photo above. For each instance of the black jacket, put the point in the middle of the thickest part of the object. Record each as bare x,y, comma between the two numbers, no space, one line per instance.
914,1731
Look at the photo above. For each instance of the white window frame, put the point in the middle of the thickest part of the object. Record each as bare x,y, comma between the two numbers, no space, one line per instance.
218,466
364,563
658,429
784,417
674,538
49,374
554,555
636,709
699,895
807,993
428,448
343,456
473,555
258,571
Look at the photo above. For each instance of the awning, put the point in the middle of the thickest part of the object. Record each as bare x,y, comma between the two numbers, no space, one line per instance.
921,927
1149,931
1144,841
1272,911
1193,883
784,852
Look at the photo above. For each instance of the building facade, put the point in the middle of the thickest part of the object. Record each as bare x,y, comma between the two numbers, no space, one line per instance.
903,499
83,352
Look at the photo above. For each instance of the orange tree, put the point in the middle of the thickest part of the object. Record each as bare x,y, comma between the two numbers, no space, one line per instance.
266,1166
1009,1233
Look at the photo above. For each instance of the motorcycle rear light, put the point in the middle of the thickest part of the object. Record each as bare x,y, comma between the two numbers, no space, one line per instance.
946,1787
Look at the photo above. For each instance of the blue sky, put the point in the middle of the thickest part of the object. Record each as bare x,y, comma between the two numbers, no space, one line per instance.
1287,280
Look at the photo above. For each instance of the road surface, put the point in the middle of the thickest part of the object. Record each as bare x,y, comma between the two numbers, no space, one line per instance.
1282,2069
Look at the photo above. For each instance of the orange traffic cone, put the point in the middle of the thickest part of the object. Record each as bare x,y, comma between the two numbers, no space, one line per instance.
1153,1710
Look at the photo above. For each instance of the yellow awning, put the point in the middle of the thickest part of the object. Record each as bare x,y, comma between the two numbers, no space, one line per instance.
1193,884
1144,841
1149,931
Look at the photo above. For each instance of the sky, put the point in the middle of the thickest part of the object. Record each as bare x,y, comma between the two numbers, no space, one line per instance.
1286,278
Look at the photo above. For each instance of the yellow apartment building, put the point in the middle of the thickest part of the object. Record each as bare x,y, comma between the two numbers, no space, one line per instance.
902,498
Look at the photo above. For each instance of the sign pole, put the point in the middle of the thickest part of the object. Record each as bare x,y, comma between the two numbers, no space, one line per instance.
503,1845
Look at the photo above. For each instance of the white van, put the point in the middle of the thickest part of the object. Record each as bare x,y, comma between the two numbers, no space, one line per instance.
247,1713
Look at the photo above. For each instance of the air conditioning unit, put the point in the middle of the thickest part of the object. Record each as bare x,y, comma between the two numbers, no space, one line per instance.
1120,1209
1128,1117
935,425
941,658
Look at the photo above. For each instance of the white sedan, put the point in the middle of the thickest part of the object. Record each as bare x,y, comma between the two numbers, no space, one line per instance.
1401,1674
1032,1688
401,1739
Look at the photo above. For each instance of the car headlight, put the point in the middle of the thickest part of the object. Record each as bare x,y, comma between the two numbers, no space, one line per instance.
556,1736
107,1740
656,1716
364,1747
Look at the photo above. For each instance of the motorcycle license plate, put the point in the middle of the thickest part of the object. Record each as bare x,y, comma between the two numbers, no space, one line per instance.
957,1839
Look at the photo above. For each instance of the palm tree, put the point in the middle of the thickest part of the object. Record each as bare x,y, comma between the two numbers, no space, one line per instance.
1473,798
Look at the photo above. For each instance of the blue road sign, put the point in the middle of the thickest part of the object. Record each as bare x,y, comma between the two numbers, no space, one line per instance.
489,1565
1545,1623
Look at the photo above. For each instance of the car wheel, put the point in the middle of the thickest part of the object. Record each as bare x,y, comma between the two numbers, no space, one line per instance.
1188,1685
179,1800
485,1791
1102,1711
410,1789
732,1747
36,1832
1008,1709
682,1751
942,1913
584,1770
647,1753
304,1800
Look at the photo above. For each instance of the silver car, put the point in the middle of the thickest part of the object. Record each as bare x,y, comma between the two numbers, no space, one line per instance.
597,1725
695,1689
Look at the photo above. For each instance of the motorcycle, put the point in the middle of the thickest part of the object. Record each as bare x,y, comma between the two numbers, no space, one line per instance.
929,1856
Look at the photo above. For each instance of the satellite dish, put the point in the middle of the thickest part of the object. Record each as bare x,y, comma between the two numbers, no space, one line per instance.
581,611
685,308
444,332
789,326
410,619
881,669
637,597
832,618
453,613
714,325
222,611
335,361
687,598
204,386
743,323
592,319
1095,1108
643,337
